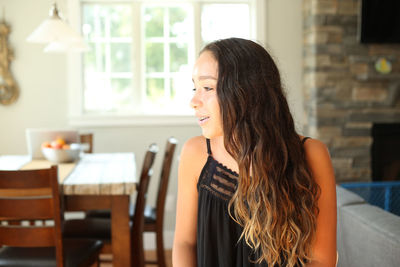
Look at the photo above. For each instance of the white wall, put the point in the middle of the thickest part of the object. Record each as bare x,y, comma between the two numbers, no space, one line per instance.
284,35
41,78
43,84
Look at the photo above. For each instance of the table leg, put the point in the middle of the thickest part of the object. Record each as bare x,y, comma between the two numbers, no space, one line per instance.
120,231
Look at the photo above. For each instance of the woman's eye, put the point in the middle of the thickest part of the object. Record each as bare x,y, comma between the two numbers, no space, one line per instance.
205,88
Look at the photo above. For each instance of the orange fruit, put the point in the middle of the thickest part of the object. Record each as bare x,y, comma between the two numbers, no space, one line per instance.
46,144
60,141
66,146
56,145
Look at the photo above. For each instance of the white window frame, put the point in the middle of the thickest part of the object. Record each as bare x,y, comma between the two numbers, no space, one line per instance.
76,115
143,41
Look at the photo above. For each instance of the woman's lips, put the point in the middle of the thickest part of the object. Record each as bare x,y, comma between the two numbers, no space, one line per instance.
202,120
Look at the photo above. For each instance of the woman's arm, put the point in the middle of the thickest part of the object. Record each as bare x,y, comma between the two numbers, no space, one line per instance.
324,248
191,162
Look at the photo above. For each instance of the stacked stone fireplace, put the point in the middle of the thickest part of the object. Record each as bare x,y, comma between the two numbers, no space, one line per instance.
344,94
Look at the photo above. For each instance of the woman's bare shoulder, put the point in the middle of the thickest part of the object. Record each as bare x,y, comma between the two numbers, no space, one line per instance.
194,155
314,145
319,160
195,148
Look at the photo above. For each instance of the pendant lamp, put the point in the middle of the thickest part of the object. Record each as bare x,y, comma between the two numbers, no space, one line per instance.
57,34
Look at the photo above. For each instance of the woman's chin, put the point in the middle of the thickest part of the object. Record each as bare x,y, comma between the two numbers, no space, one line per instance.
210,134
206,135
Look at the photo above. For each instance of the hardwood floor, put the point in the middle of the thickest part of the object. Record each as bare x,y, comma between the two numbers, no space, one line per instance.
152,255
149,254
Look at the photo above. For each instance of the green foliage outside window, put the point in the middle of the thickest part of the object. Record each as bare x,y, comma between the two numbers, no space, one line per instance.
155,89
154,19
154,57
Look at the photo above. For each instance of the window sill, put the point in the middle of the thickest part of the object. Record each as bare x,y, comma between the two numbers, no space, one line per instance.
132,120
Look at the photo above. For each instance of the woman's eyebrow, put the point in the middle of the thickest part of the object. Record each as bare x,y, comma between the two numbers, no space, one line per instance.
206,77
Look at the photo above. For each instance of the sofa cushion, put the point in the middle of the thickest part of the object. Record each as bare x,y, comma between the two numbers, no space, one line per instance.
368,236
346,197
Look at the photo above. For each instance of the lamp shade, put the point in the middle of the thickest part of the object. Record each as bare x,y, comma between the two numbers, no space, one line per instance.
57,34
61,47
53,30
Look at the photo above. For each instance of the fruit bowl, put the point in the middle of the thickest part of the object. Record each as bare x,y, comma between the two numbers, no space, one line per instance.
61,155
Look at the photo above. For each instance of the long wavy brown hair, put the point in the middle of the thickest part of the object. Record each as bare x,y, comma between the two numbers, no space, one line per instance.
276,198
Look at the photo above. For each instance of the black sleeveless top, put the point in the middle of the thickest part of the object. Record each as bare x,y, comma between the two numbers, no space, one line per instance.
218,243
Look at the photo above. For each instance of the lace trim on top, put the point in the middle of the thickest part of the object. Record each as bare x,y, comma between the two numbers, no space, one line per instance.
218,179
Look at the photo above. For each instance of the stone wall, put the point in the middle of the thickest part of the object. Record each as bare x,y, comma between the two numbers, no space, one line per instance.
344,94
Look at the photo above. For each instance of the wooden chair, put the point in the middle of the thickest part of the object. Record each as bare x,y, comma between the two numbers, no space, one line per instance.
153,216
138,220
100,228
34,195
87,139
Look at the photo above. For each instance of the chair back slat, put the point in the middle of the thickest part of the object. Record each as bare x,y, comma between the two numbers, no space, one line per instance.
26,208
87,139
27,236
144,181
17,179
138,220
164,178
11,192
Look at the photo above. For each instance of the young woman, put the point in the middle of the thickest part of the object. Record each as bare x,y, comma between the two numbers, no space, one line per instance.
251,191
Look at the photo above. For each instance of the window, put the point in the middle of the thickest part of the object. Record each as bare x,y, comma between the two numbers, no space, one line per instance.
141,53
107,65
168,49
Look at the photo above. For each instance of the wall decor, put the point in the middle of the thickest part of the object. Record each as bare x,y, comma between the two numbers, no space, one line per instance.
383,66
9,91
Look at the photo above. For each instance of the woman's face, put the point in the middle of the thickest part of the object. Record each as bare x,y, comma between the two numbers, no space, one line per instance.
205,100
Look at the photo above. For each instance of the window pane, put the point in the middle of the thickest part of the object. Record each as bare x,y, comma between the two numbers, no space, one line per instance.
178,56
121,21
167,53
155,89
154,19
178,20
120,57
107,64
94,59
94,21
101,21
234,22
154,57
122,94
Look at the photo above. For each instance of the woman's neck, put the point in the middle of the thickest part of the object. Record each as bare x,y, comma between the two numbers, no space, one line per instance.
220,154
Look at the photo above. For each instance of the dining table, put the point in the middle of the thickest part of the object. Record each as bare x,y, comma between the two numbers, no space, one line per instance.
100,181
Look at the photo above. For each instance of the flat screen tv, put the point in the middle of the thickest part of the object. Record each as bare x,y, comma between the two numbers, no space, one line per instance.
380,21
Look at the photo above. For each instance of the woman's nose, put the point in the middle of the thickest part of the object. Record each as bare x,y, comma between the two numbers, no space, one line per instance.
195,102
